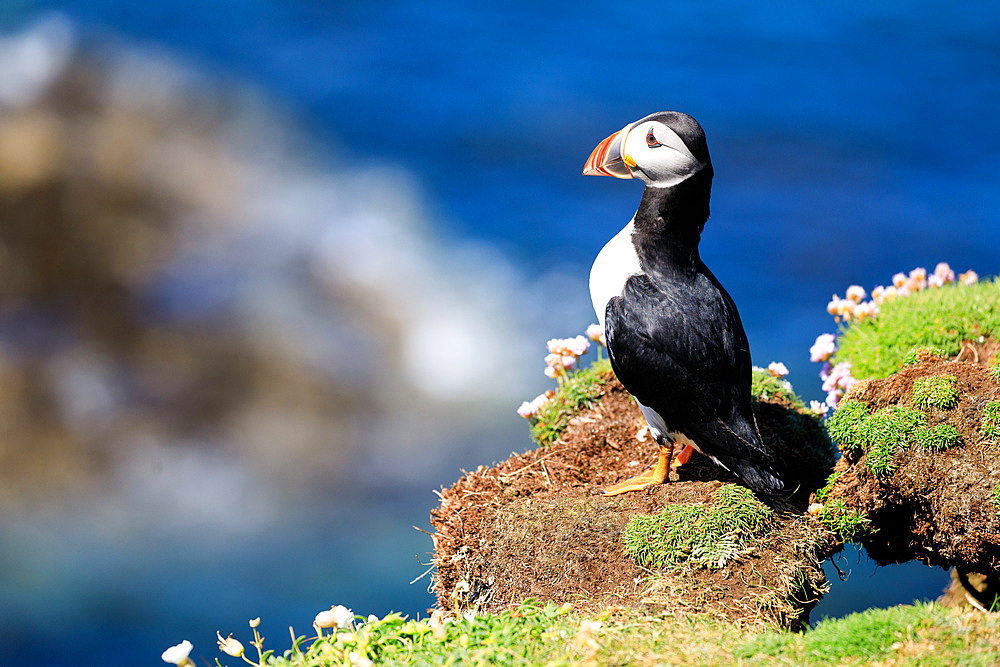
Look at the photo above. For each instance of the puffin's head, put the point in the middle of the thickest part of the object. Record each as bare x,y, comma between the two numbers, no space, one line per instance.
661,150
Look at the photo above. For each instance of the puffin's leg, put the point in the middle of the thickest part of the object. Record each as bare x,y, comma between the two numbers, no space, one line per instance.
683,457
654,474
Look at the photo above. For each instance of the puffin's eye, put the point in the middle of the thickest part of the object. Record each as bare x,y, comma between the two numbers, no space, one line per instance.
651,140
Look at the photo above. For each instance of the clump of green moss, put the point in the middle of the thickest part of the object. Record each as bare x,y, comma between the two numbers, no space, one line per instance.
996,498
916,354
883,433
937,391
939,437
990,423
888,431
693,535
847,425
574,394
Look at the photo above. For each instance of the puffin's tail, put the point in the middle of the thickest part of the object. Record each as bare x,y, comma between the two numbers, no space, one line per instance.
744,457
760,477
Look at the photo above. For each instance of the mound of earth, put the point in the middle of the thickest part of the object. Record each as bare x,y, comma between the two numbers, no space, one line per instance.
937,505
536,526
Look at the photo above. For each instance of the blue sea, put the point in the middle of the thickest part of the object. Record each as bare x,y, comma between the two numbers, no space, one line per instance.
849,142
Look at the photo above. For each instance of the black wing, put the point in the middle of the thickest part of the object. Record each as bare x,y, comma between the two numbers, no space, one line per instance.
680,349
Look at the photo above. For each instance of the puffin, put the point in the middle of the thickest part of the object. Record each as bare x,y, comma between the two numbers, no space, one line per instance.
674,335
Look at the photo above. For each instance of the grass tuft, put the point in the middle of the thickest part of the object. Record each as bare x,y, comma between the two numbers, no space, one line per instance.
888,431
847,425
573,395
990,423
691,535
939,437
937,391
847,524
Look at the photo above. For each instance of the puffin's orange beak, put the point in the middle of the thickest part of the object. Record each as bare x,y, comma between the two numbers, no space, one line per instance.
607,158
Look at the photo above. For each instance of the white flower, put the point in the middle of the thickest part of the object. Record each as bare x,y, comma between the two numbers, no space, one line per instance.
372,618
934,280
178,655
343,616
578,345
819,408
970,277
254,622
325,619
855,293
777,369
865,309
815,508
919,274
825,345
595,332
899,279
944,273
229,646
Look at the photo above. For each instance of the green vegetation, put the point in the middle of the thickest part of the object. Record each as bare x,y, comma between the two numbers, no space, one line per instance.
574,394
937,391
693,535
995,368
880,434
823,493
763,386
939,318
996,498
939,437
847,524
914,355
533,634
847,425
888,431
990,423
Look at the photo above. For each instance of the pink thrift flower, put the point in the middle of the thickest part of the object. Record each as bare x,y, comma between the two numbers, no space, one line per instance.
577,346
970,277
530,408
865,309
595,332
824,346
944,273
777,369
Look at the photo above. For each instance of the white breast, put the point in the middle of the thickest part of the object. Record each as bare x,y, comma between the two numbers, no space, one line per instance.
615,264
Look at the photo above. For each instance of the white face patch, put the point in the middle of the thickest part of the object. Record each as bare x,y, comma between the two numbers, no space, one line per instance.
661,158
615,264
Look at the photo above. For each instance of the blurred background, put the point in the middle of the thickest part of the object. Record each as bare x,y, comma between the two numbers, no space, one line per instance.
271,273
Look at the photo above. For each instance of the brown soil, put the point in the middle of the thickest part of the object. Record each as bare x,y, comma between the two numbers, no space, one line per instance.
536,526
937,507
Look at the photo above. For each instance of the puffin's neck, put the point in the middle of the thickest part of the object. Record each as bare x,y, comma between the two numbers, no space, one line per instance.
668,224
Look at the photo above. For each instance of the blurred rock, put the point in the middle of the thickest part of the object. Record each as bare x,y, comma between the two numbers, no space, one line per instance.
180,271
